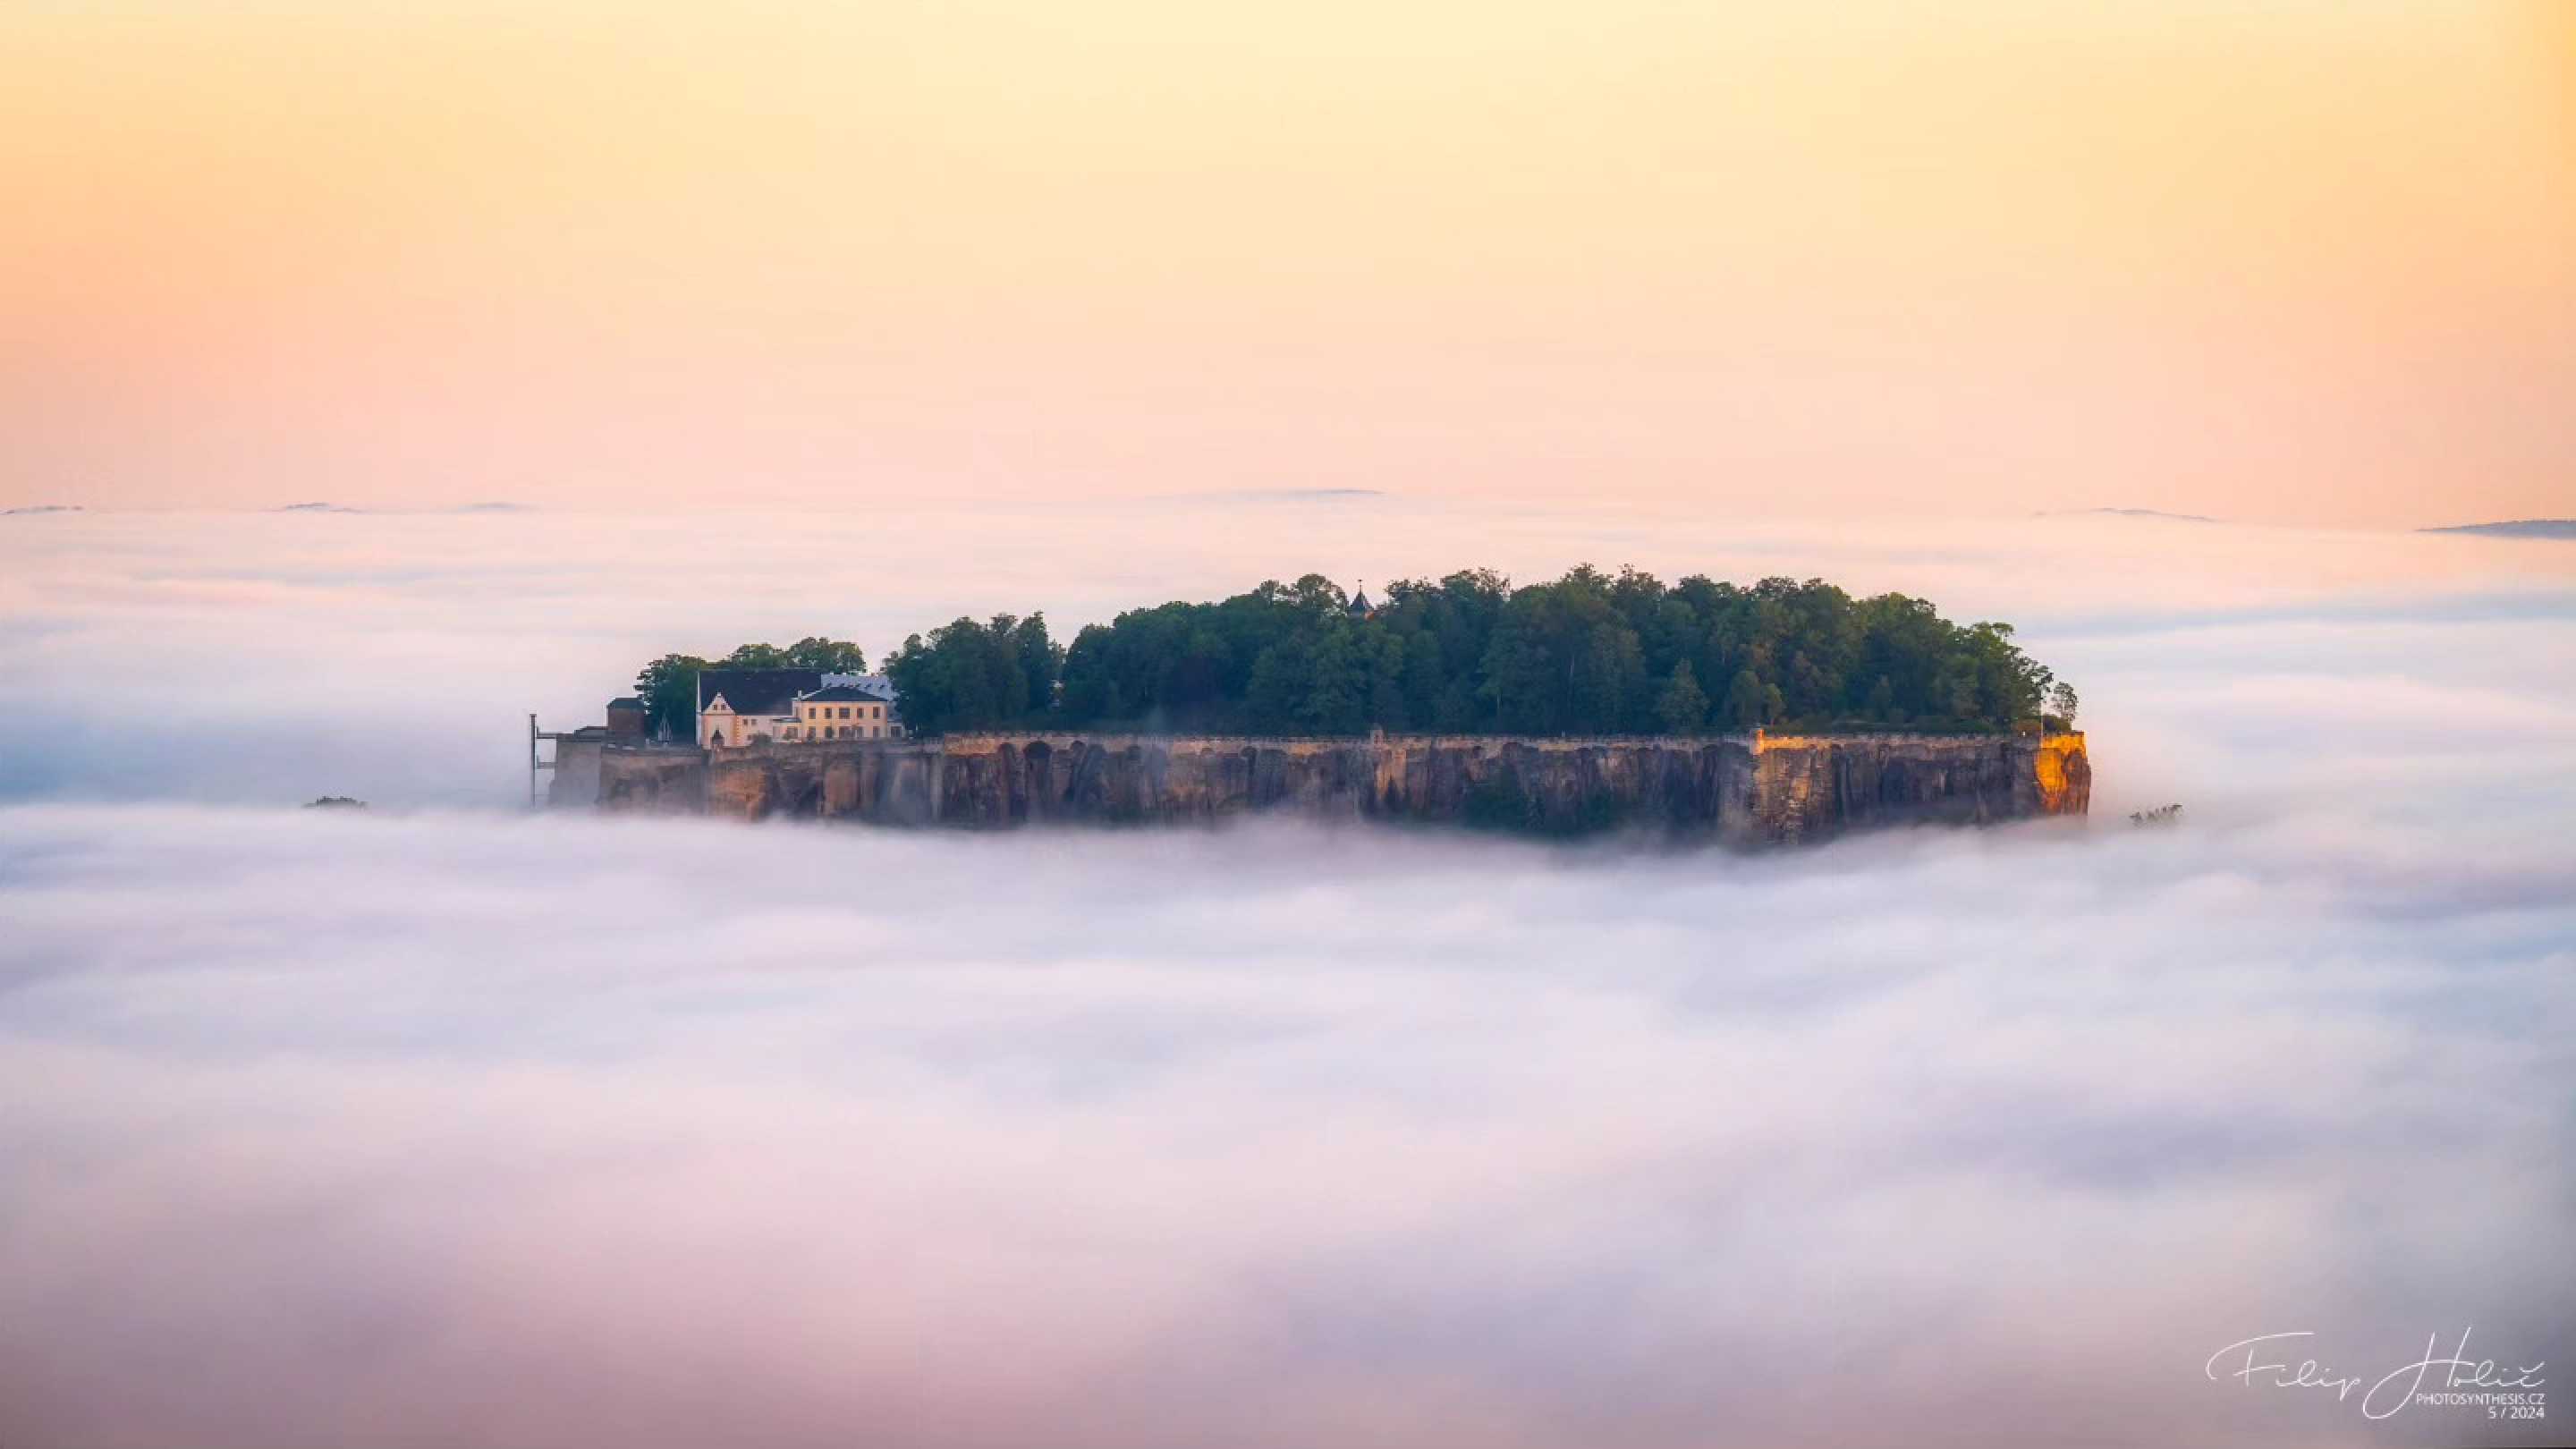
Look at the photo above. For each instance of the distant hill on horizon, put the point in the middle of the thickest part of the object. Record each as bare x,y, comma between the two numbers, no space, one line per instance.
1275,495
493,506
42,508
2514,528
2125,513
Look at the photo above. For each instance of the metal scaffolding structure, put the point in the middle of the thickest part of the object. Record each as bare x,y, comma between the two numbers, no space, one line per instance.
537,763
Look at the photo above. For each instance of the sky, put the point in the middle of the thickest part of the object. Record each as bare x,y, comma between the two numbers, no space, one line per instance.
444,1124
2295,263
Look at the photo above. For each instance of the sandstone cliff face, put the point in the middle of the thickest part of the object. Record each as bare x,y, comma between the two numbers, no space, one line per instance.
575,777
1805,785
1749,790
667,781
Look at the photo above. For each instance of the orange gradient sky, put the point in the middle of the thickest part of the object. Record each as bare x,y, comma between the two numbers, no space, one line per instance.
2283,262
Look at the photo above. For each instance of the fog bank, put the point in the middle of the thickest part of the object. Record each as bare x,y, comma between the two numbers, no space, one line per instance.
449,1126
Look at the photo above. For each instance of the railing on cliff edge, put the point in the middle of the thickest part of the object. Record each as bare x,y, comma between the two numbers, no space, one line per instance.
1757,740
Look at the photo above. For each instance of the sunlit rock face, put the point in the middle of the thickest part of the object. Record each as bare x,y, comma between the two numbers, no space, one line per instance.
2063,775
1742,789
1805,786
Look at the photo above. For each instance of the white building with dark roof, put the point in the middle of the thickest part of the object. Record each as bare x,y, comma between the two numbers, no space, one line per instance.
738,707
744,706
843,712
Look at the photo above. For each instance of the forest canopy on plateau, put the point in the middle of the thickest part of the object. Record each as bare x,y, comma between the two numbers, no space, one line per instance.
1588,653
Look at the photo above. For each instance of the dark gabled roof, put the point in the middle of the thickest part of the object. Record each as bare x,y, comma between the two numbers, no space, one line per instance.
846,694
757,691
626,701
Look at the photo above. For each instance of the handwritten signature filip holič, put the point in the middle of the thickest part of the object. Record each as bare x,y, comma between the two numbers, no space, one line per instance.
2464,1382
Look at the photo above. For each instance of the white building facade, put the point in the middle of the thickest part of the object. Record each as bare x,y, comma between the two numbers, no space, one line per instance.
740,707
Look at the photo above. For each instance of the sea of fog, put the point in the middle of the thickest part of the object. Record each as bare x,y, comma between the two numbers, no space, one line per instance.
441,1124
